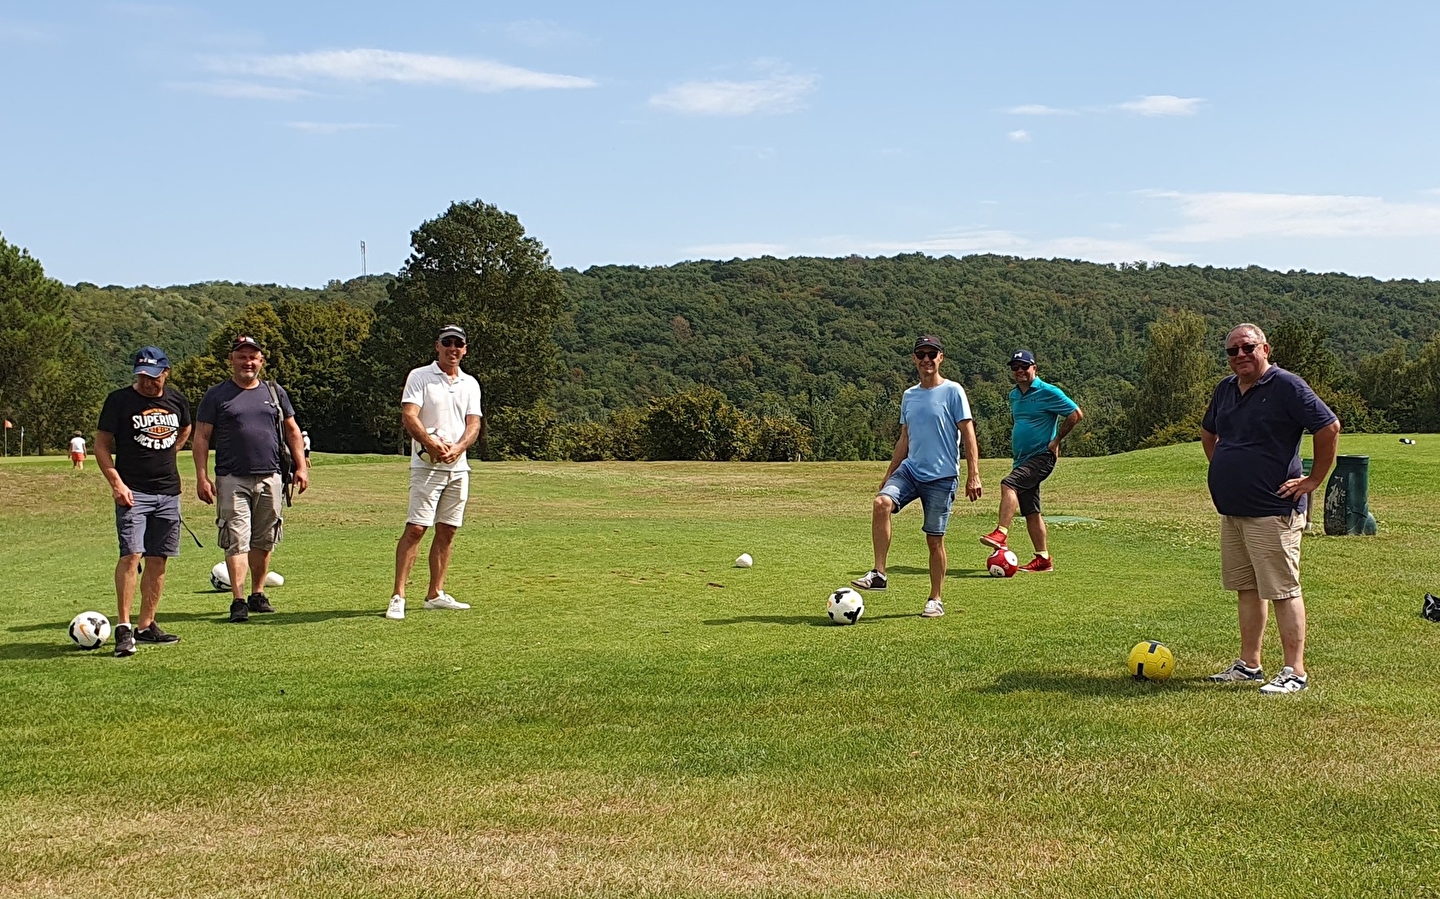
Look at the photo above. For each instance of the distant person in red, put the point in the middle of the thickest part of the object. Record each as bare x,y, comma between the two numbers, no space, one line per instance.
141,430
77,451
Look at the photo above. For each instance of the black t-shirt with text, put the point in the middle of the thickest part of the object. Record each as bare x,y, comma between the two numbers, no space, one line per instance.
147,431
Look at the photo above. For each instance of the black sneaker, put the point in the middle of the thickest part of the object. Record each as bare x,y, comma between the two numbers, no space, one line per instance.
258,603
239,611
124,641
873,580
153,634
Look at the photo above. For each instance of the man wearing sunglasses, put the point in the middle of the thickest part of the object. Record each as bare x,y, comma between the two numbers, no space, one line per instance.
934,420
1043,415
440,410
1251,435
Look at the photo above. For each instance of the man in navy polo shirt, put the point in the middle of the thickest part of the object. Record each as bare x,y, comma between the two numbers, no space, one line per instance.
1251,434
1042,416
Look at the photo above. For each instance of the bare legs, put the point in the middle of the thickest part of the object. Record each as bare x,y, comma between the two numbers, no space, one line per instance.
938,563
255,563
1289,620
152,583
880,514
408,549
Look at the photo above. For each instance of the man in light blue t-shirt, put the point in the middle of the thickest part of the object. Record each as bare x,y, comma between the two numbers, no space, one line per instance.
934,418
1043,415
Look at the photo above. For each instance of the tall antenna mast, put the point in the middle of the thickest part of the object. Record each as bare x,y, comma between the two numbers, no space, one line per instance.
362,258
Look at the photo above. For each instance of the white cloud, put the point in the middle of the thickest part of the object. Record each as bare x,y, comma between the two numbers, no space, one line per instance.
1021,136
369,66
21,33
1233,215
1163,104
333,127
1039,109
538,33
243,90
778,93
731,250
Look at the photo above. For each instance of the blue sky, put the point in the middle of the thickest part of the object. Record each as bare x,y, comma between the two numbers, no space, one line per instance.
168,143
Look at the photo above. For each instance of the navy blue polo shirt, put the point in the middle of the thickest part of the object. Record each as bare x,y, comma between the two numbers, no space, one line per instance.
1259,446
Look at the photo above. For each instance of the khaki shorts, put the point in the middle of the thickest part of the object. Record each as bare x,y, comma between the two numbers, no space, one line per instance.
1262,554
249,512
438,497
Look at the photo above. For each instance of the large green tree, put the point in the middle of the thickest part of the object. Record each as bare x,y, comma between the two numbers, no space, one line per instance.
472,266
1176,380
49,385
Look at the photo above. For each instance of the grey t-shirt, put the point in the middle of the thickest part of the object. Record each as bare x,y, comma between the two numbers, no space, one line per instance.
245,439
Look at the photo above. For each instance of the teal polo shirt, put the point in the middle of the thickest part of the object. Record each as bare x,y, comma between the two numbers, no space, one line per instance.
1037,413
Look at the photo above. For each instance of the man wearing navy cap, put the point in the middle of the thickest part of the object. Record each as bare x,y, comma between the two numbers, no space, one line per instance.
934,421
142,428
1043,415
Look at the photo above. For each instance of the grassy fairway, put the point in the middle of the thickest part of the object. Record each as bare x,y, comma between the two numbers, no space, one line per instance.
622,713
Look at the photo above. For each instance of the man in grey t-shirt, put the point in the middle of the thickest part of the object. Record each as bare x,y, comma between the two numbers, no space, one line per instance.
239,417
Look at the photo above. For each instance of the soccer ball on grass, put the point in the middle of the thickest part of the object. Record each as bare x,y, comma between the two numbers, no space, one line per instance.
1151,661
845,606
1002,563
220,578
89,630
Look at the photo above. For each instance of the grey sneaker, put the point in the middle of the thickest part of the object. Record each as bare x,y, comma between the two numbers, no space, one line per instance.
124,641
1287,681
873,580
934,608
444,600
1238,673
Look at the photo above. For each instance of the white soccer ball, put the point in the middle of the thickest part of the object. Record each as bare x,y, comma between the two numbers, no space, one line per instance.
845,606
220,578
744,561
438,434
89,630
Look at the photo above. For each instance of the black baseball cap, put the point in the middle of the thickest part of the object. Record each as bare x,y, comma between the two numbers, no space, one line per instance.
151,361
928,340
1024,356
452,331
244,341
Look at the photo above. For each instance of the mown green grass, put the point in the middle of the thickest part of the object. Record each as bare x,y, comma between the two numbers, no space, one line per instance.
622,713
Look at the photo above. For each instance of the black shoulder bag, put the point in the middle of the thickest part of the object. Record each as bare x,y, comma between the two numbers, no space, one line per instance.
287,461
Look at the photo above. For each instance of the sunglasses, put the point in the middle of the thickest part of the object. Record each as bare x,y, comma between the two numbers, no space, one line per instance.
1019,366
926,354
452,341
1246,348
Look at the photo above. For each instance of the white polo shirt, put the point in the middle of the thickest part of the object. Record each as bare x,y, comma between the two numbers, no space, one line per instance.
444,404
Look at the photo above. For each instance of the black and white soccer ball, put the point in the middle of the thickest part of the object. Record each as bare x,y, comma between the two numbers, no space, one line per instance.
845,606
89,630
220,578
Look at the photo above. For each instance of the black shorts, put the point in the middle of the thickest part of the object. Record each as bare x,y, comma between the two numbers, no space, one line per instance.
1025,480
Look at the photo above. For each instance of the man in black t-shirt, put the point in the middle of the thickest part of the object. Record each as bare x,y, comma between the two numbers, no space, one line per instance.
142,428
243,420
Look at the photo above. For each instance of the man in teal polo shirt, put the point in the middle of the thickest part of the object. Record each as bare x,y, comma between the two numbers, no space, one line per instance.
1043,415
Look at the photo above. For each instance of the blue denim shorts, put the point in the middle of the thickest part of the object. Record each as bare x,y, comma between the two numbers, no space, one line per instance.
151,527
936,498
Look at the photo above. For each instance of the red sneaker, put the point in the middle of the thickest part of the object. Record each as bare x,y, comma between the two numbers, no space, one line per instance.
1038,564
995,539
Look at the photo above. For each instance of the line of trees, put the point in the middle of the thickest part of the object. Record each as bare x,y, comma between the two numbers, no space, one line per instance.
760,359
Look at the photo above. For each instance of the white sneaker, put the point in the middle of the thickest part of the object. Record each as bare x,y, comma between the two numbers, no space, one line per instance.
444,600
396,611
934,608
1287,681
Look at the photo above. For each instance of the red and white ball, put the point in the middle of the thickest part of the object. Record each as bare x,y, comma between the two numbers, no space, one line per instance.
1002,563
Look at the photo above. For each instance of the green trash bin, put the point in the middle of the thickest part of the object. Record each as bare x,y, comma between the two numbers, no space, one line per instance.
1347,498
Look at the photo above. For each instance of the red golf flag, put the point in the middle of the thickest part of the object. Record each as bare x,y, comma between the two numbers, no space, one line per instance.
8,425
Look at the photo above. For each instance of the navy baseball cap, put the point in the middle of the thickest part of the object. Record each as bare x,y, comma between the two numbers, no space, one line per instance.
1022,356
151,361
929,340
452,331
244,341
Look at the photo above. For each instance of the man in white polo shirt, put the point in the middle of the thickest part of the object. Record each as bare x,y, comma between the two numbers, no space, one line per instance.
440,410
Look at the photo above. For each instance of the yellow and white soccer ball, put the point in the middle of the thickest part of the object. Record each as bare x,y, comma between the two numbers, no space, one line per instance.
1151,661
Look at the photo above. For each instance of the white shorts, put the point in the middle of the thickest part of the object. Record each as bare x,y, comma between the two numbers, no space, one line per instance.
438,497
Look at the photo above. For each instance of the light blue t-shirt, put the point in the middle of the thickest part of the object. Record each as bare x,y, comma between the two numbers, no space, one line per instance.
933,418
1037,414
